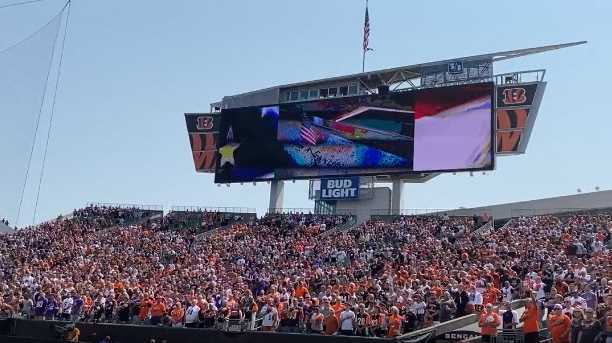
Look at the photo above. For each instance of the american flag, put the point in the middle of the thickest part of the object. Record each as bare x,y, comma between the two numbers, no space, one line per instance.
309,135
366,31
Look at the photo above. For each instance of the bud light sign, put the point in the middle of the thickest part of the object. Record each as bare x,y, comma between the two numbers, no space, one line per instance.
340,188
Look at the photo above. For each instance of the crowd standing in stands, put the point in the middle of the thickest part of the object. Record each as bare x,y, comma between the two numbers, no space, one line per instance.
278,274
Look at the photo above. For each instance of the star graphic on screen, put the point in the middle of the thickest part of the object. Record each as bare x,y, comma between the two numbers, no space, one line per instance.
227,153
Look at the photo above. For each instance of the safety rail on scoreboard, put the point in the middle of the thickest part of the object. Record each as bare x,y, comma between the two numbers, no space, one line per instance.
128,206
213,209
535,75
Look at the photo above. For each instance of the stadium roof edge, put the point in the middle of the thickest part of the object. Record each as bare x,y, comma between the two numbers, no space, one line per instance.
493,57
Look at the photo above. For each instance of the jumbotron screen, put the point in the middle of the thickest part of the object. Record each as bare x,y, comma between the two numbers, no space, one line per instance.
429,130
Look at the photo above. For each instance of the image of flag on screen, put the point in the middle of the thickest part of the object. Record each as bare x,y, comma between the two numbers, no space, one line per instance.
308,134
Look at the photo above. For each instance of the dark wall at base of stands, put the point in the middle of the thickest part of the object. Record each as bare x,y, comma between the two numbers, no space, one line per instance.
5,326
42,331
6,339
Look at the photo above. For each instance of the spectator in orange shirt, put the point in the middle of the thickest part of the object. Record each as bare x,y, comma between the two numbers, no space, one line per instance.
395,323
145,307
531,322
559,325
491,294
489,321
157,311
336,307
301,291
177,314
331,324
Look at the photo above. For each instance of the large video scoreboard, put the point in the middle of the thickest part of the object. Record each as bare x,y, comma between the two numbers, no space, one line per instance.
427,130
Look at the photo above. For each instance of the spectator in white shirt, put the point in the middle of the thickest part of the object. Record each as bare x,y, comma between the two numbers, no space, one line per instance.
191,315
347,321
507,292
67,307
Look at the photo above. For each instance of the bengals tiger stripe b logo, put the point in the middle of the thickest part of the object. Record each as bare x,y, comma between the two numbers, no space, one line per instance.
204,123
514,96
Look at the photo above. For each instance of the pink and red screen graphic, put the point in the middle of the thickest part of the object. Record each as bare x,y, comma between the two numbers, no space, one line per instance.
453,129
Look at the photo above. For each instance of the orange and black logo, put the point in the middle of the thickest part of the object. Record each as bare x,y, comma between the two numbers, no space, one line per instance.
205,123
516,95
513,96
508,141
202,122
515,118
204,150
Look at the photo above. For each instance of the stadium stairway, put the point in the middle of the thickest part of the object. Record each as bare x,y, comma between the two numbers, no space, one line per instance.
499,223
349,225
484,229
205,234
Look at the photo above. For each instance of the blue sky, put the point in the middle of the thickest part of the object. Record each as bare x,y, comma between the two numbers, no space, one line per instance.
132,68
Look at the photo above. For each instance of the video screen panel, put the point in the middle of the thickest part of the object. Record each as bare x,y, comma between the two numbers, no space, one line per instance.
437,129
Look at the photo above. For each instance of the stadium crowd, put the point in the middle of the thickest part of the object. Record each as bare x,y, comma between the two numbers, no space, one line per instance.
278,273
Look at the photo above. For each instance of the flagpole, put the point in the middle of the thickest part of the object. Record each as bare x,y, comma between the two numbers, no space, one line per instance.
363,62
364,48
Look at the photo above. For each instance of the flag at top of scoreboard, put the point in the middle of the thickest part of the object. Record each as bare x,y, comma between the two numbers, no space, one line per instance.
366,31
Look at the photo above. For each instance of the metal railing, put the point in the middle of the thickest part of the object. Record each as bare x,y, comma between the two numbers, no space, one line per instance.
534,75
558,212
454,324
336,212
511,336
128,206
212,209
409,211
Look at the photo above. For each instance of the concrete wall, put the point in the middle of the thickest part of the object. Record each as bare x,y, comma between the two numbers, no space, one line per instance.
377,198
569,203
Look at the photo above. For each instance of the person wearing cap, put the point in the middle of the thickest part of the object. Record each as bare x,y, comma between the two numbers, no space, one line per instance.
559,325
488,323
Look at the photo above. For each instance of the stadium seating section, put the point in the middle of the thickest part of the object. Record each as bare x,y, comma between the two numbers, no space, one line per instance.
282,272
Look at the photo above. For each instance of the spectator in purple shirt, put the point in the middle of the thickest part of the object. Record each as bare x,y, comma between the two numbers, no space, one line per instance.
589,296
40,306
51,310
77,307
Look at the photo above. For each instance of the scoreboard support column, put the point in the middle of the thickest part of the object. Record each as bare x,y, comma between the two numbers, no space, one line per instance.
396,196
276,196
